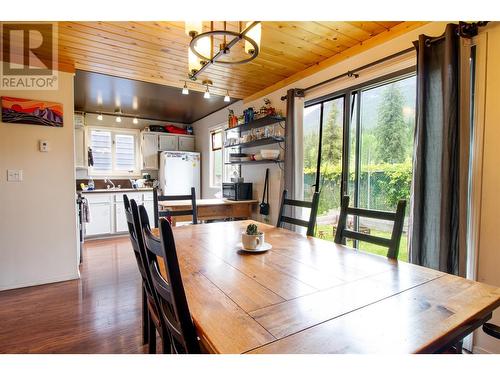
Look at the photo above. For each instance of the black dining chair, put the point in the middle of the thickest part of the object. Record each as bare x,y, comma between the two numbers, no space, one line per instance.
170,291
313,205
492,330
152,320
146,287
167,213
342,233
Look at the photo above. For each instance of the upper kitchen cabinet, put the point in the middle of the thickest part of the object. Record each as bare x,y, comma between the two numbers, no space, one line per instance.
186,143
80,151
168,143
149,150
152,143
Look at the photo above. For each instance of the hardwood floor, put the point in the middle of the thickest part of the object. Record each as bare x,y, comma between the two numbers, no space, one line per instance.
100,313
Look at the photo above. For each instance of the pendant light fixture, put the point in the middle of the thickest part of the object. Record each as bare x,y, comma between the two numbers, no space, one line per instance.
201,52
185,90
226,97
206,83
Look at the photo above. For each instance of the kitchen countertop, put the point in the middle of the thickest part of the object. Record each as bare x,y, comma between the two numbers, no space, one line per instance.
109,191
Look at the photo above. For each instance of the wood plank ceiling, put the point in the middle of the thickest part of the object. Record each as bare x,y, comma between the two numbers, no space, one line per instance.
156,52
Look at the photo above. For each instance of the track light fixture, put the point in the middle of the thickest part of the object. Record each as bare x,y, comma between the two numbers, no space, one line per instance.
185,90
226,97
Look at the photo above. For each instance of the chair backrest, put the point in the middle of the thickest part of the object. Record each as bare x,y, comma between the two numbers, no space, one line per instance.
172,298
391,243
167,213
313,205
137,242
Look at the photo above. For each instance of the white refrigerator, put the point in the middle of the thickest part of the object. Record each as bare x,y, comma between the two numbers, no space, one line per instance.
179,171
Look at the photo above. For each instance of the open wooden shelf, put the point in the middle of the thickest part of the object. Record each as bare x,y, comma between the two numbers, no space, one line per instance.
264,121
265,161
259,142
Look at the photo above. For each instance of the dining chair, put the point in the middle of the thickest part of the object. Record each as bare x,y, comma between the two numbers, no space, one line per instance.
342,233
140,264
151,316
170,291
313,205
167,213
492,330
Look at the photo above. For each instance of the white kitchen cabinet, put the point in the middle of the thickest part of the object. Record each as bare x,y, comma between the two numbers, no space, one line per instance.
80,154
107,212
167,143
149,151
186,143
101,215
120,219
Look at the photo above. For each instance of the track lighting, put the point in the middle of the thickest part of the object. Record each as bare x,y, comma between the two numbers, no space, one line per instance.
185,90
226,97
207,94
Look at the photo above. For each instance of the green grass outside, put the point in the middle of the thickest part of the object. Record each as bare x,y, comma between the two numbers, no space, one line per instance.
368,247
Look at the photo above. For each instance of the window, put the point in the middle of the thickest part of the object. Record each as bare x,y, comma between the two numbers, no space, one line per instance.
114,152
216,158
374,168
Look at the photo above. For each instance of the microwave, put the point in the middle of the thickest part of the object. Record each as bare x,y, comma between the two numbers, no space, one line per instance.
237,191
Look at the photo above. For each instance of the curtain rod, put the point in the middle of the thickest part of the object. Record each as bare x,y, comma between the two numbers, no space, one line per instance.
354,72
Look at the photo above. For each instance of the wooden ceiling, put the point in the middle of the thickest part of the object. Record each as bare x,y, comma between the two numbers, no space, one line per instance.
156,52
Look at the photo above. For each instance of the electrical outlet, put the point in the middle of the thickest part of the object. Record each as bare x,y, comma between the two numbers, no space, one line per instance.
14,175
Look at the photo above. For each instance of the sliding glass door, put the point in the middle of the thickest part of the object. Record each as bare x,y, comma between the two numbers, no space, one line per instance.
323,126
360,143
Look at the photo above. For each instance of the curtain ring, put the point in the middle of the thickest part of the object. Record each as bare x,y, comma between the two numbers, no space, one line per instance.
428,42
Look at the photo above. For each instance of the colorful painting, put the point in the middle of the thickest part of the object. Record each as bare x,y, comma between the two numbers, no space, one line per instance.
27,111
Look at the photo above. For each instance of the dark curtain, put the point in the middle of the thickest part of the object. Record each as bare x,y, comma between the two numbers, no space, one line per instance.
435,216
289,166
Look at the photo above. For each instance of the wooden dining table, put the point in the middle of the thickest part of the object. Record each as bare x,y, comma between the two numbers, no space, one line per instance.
308,295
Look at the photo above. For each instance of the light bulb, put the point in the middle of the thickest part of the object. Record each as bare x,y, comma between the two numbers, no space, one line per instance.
185,90
254,33
193,62
227,98
135,121
206,95
99,117
118,119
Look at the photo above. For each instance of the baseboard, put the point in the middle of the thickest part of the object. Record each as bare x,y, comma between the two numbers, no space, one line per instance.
50,280
479,350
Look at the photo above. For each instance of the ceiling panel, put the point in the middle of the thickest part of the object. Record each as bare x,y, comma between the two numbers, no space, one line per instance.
96,92
156,52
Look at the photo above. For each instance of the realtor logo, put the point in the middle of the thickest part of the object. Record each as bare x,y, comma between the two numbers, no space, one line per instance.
28,56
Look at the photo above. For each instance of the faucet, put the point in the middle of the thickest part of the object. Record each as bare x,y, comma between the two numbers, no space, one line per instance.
107,180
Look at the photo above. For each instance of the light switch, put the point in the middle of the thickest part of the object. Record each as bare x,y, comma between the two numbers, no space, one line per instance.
14,175
44,146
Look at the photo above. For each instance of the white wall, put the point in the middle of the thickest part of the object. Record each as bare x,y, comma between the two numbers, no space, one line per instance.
488,268
38,235
255,173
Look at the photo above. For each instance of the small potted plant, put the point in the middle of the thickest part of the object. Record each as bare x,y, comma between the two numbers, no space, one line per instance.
252,239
